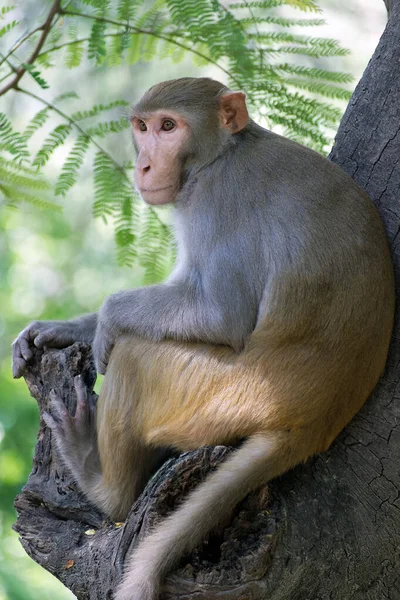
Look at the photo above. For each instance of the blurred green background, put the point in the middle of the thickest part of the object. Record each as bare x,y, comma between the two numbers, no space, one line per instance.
61,265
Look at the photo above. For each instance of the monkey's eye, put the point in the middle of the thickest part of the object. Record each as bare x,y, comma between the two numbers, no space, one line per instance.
142,125
167,125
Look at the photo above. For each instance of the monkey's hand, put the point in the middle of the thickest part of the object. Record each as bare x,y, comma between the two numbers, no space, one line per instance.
56,334
103,344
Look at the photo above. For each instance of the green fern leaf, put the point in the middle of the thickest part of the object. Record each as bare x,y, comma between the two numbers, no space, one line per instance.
65,96
103,129
125,222
74,55
69,171
282,22
56,138
54,36
109,184
16,197
266,4
36,123
75,48
318,87
19,176
5,10
96,109
134,50
315,51
97,48
44,60
19,184
151,18
126,9
314,73
8,27
149,48
33,72
12,141
114,197
155,247
102,6
304,5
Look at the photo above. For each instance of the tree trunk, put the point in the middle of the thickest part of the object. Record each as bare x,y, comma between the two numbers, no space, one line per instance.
327,530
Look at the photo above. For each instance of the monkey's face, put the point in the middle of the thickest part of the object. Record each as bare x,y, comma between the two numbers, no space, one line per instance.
160,138
179,126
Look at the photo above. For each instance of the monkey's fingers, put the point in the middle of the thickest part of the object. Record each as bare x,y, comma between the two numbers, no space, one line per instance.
24,345
59,411
18,367
54,337
20,355
42,339
22,351
50,421
82,405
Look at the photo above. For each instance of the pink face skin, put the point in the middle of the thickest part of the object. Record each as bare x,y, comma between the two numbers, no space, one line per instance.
159,139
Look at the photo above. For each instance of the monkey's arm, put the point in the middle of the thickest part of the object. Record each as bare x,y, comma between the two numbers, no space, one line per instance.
56,334
178,310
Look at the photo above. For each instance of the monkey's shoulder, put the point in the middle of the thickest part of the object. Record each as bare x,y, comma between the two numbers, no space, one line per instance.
290,171
286,157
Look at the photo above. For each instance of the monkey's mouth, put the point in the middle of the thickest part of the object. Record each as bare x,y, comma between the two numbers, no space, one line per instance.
147,190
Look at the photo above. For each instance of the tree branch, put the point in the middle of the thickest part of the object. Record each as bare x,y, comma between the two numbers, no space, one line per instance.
54,10
20,42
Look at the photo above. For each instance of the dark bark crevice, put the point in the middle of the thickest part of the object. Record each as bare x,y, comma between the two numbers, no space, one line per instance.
327,530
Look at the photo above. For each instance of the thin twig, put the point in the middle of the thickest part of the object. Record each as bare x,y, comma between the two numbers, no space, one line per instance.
73,42
45,28
21,41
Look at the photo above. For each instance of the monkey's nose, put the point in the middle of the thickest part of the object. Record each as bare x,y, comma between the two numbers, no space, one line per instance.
145,169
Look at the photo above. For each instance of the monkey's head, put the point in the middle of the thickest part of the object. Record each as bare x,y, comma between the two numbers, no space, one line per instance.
178,126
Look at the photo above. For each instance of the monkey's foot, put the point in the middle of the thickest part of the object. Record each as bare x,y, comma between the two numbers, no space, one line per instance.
75,436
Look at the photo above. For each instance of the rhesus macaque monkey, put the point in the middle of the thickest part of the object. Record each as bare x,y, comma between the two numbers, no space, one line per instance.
274,325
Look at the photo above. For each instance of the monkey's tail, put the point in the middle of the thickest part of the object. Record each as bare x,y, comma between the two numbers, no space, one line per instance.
262,457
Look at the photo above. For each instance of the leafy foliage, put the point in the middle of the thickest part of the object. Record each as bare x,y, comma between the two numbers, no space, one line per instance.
36,75
69,171
20,184
256,46
12,141
55,139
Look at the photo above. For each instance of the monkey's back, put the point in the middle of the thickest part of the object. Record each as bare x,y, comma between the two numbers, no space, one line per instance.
326,315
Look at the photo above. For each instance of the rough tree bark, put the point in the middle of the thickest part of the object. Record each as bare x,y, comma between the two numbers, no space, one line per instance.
326,530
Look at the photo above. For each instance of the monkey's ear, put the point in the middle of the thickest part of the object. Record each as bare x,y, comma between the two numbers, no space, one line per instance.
233,111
